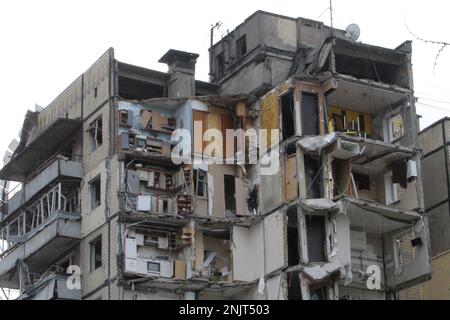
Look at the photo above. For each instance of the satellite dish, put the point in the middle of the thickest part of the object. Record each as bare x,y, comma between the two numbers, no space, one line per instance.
352,32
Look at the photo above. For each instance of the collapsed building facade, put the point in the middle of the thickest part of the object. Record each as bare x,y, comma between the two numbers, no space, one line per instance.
100,190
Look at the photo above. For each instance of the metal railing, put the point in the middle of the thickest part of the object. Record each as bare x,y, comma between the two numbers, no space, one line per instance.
37,214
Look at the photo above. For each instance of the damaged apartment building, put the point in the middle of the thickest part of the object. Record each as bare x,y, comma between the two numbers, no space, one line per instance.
341,218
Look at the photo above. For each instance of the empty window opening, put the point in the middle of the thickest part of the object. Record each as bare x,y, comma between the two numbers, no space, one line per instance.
288,115
241,47
310,114
292,237
315,232
230,191
95,92
314,177
94,190
220,58
200,182
95,134
362,181
341,177
294,291
96,254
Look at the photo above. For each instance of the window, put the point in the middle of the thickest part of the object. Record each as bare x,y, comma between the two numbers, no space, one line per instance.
96,254
220,58
95,92
315,232
200,183
230,190
288,115
153,266
95,134
241,47
94,190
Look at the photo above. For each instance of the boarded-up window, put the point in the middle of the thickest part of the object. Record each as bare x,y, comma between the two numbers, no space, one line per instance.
290,179
199,117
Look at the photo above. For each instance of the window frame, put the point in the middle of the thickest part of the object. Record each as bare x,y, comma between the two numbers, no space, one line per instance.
93,253
96,133
92,203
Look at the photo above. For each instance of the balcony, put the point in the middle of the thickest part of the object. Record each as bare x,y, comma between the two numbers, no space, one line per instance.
52,287
59,167
45,230
39,150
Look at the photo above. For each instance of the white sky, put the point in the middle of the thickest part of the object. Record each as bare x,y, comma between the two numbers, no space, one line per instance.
47,44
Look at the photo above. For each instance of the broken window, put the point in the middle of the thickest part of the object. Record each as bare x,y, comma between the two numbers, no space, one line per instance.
315,232
94,190
310,114
313,173
230,191
200,183
288,115
241,47
220,58
399,173
95,134
96,254
292,237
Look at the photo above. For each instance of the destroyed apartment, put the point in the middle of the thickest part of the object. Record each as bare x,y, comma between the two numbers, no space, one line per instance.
91,191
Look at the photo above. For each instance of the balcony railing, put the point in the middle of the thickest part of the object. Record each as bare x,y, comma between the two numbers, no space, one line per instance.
54,201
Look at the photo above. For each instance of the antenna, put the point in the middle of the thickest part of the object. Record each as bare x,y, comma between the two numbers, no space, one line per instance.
331,17
213,26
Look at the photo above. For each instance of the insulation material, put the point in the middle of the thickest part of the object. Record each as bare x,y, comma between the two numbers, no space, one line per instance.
270,114
317,143
312,205
290,178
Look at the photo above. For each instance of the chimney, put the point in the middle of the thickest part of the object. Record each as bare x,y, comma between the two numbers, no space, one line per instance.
181,83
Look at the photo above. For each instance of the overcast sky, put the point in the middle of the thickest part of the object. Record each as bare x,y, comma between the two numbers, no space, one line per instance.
47,44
